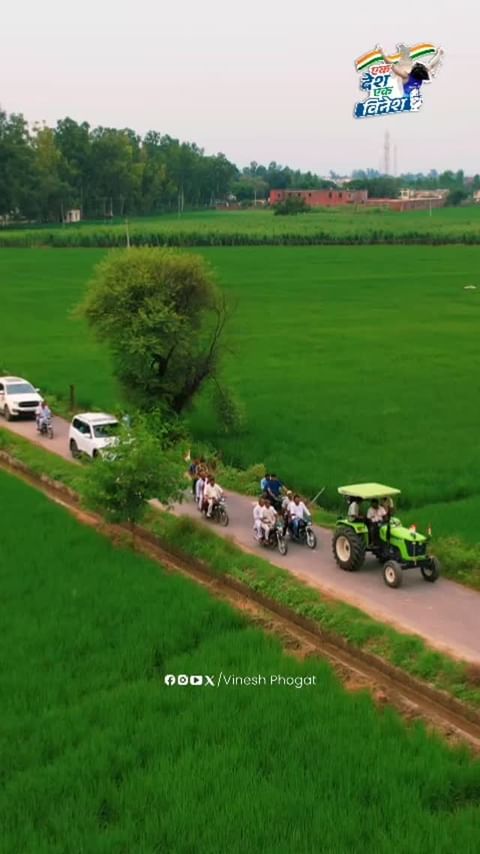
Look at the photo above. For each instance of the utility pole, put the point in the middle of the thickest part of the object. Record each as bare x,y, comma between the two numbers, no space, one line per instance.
395,164
128,234
386,153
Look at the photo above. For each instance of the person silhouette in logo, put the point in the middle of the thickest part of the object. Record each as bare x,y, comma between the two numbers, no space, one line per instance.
412,73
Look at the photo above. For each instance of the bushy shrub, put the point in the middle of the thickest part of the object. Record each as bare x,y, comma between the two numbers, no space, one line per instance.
246,481
291,205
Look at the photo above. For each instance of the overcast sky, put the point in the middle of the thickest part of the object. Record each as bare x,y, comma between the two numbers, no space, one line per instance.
257,80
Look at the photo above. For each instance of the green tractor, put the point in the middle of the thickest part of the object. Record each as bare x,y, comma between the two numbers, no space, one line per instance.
394,546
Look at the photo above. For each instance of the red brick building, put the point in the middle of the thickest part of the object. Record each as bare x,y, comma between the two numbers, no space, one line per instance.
321,198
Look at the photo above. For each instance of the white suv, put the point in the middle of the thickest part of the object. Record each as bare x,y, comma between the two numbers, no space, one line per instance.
91,432
18,397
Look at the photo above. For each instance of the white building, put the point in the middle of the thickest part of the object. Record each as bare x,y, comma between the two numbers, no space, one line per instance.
73,216
410,193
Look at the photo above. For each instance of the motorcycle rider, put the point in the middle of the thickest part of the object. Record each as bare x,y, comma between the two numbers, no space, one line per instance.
43,415
257,516
212,494
274,491
298,513
200,488
268,519
287,498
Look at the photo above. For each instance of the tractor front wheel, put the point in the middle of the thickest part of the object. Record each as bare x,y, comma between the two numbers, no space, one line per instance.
348,549
392,573
431,570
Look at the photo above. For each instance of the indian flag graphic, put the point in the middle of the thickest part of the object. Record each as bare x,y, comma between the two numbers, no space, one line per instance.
375,57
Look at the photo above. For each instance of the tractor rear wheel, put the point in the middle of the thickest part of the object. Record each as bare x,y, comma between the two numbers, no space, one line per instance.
348,549
392,573
431,571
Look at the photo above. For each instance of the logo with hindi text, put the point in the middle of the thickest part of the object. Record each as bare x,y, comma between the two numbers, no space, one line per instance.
394,83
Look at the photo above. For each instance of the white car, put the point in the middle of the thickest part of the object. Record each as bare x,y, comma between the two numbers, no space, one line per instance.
91,432
18,397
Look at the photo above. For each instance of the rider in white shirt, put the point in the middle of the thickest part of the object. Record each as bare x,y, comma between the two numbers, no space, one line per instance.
199,490
297,512
268,519
257,517
376,513
211,494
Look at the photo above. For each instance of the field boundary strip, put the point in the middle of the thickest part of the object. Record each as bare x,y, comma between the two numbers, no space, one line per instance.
406,691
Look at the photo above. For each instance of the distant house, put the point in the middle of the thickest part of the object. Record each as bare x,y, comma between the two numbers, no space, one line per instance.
73,215
476,196
424,195
423,203
321,198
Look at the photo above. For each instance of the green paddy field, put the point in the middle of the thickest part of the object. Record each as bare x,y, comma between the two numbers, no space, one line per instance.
99,755
353,362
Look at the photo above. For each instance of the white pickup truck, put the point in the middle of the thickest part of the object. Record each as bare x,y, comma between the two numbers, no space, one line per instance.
18,397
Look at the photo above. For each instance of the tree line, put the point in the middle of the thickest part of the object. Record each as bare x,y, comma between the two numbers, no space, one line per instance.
107,172
110,172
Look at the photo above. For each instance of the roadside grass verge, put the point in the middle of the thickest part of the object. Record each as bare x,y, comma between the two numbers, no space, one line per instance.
41,461
99,755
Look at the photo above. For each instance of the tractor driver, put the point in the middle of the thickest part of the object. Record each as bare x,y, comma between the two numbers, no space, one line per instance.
376,515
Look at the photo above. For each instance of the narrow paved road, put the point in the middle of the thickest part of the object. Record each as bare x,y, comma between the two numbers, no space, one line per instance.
445,614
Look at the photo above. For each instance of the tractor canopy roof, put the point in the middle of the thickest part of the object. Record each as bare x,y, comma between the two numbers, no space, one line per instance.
368,490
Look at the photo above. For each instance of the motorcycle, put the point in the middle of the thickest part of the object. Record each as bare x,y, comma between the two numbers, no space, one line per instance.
219,513
305,534
275,540
45,427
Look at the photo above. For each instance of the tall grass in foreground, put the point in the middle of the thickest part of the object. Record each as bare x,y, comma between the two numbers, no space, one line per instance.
99,755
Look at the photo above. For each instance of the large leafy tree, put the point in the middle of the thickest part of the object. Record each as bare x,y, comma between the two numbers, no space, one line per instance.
74,143
52,194
116,169
162,317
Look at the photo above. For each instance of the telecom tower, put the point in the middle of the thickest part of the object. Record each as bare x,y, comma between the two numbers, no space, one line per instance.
386,153
395,163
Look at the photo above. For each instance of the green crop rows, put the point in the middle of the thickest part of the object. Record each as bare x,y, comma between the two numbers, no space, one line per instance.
99,755
216,228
